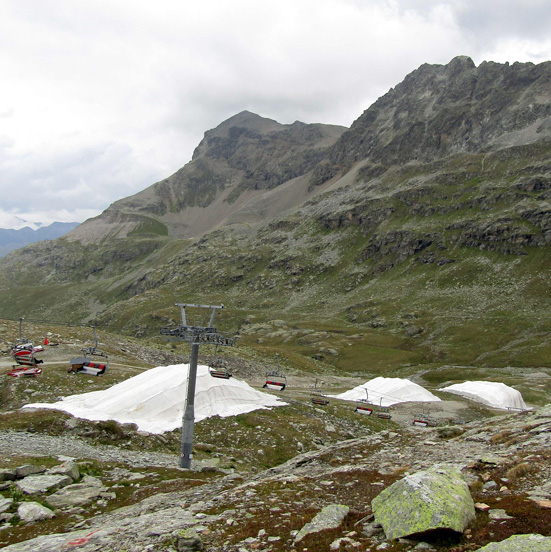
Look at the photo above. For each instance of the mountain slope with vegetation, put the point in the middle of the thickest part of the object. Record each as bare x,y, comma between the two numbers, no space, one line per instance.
423,232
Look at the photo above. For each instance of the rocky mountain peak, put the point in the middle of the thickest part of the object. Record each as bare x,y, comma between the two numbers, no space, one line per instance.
244,122
442,110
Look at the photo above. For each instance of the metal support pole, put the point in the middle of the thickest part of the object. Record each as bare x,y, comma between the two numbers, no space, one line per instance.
189,412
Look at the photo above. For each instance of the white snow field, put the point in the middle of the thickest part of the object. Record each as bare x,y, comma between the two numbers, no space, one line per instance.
155,399
388,391
490,393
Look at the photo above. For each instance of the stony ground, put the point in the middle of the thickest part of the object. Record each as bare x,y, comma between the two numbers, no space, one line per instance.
257,480
505,460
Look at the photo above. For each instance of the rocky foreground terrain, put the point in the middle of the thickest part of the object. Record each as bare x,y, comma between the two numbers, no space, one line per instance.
60,493
295,478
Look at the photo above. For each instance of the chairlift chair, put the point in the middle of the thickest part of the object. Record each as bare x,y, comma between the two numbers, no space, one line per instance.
317,397
384,413
87,364
25,371
424,420
23,352
223,374
275,380
363,406
219,368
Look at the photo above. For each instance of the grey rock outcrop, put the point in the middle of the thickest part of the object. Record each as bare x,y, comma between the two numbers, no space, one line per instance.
520,543
33,511
437,498
329,518
28,469
7,474
69,468
5,504
74,495
38,484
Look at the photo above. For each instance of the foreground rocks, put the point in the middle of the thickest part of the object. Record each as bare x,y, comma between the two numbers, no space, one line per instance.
55,486
334,498
425,501
520,543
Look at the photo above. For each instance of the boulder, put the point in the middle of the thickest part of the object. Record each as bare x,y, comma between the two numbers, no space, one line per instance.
28,469
437,498
5,504
37,484
67,468
520,543
7,474
33,511
329,518
74,495
91,481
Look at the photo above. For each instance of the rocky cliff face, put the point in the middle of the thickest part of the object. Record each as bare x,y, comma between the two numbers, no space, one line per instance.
438,111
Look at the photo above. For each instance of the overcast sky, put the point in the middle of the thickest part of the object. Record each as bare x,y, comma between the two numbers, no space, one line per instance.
101,98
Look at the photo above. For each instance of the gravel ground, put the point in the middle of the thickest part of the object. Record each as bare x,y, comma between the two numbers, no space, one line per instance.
32,444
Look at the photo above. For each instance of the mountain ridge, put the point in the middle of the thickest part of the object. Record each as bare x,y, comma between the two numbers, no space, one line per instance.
15,238
420,227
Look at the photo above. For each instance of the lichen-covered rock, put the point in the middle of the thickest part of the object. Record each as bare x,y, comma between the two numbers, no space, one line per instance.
520,543
437,498
7,474
28,469
329,518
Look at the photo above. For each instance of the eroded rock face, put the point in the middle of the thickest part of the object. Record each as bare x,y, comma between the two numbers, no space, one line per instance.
438,498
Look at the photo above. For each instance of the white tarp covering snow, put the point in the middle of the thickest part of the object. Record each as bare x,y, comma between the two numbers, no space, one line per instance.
155,399
387,391
490,393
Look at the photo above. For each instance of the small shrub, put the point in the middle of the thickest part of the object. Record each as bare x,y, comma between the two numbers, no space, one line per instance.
501,437
519,470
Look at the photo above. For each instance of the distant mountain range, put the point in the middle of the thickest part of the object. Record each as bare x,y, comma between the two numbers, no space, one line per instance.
11,238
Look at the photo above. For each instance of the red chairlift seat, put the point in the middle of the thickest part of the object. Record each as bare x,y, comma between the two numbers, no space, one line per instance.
363,407
223,374
275,381
424,421
25,371
318,398
27,364
84,365
384,413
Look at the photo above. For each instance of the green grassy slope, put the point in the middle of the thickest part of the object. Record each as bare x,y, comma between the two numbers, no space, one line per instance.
427,264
